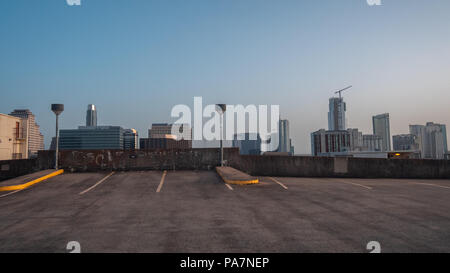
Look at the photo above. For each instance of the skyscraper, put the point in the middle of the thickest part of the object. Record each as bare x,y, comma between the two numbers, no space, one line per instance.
248,144
130,139
284,143
432,140
405,142
91,116
160,130
336,114
31,129
160,137
381,128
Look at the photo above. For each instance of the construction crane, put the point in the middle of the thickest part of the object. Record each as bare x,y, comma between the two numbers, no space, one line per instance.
342,90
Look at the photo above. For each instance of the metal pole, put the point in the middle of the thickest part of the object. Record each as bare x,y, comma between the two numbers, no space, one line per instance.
57,109
221,140
57,144
223,108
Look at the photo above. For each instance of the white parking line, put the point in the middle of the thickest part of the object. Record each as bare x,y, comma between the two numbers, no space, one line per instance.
96,184
279,183
162,181
229,187
428,184
4,195
355,184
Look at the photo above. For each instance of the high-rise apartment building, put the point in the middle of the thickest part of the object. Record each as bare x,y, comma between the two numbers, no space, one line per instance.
381,128
336,114
161,130
35,140
91,116
431,139
160,137
356,139
330,143
130,139
372,143
405,142
248,144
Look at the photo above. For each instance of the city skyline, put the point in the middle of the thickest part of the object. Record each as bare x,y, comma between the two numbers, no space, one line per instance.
216,135
228,143
278,54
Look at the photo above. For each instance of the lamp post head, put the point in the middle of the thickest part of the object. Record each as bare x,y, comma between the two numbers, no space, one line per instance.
222,107
57,108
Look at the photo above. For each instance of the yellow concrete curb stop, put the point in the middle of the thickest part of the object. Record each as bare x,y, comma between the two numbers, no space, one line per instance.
28,184
237,182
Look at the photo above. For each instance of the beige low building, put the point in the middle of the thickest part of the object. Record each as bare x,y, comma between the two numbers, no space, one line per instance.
35,140
13,139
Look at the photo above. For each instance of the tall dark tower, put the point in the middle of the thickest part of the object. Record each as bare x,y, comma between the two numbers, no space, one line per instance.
91,115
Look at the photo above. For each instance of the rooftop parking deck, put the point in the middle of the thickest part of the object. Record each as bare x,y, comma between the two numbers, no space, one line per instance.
195,211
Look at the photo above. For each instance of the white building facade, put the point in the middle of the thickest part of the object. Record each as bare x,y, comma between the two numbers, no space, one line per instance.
432,140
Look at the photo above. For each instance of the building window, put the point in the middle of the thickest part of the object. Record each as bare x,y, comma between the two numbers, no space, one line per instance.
17,130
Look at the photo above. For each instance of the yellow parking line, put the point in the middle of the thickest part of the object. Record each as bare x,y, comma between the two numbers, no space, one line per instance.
428,184
279,183
162,181
96,184
31,183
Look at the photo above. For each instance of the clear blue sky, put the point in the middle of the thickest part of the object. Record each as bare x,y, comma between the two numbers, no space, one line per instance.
135,59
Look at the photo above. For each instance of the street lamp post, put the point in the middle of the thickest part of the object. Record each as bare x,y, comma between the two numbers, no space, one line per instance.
222,108
57,109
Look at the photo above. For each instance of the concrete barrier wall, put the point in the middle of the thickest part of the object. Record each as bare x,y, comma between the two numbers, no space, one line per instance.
342,167
13,168
207,159
398,168
94,160
284,165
